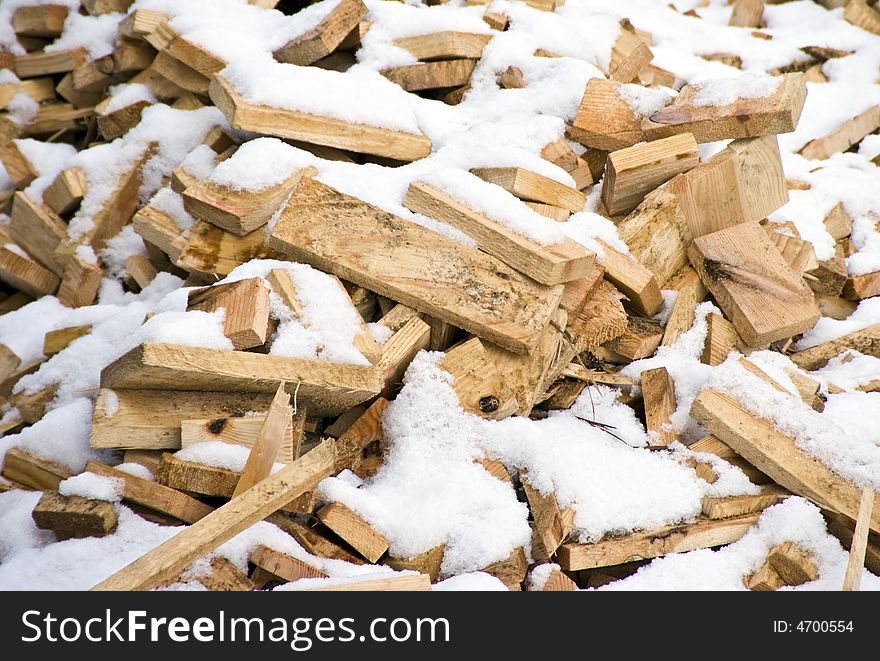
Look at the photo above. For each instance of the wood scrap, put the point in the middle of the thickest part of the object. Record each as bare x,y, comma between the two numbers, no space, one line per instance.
859,544
74,516
866,341
246,302
353,529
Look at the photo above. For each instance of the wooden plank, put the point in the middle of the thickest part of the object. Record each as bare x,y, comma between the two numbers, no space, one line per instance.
428,562
362,537
172,556
862,15
726,507
80,282
479,385
24,468
721,339
629,57
325,37
844,136
40,20
511,571
353,444
328,131
326,388
552,524
45,64
178,74
431,75
797,253
159,229
195,477
26,275
140,269
399,350
578,292
239,211
283,565
209,249
793,564
549,264
744,118
753,285
705,533
264,451
633,172
633,280
32,406
239,431
859,545
38,230
775,454
246,322
691,293
528,185
444,45
604,120
20,170
152,419
859,287
658,392
74,516
413,265
747,13
38,89
66,191
153,495
405,583
866,341
312,539
9,362
640,339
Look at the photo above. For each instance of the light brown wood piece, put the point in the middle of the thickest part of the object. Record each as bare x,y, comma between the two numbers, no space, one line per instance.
633,280
604,120
152,419
37,64
753,285
223,576
80,282
432,75
548,264
66,191
723,508
195,477
633,172
511,571
862,15
443,335
399,350
859,287
39,21
602,319
32,406
480,386
559,153
747,13
74,516
691,293
578,292
283,565
113,124
511,78
551,523
154,495
866,341
797,253
837,222
139,23
239,211
38,89
312,539
630,56
97,7
328,131
239,431
428,562
208,249
844,529
495,20
159,229
830,276
744,118
325,37
704,533
794,564
559,582
353,446
165,39
24,468
414,266
405,583
717,447
362,537
26,275
38,230
444,45
178,74
326,388
859,545
20,170
775,454
763,579
246,322
172,556
140,269
528,185
640,340
843,137
658,392
9,362
265,448
721,339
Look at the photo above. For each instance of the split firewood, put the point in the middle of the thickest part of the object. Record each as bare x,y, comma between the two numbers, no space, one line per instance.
726,507
194,477
80,282
845,136
269,439
38,230
511,78
551,523
861,14
243,431
20,170
360,447
658,392
428,562
633,280
399,350
534,187
604,119
866,341
747,13
33,472
404,583
432,75
480,386
66,191
9,361
25,274
630,55
691,293
325,37
313,538
206,248
640,340
32,406
38,64
786,564
40,20
74,516
511,571
282,565
602,319
246,302
859,544
353,529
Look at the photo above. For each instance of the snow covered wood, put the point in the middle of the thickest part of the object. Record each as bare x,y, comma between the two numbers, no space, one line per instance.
66,191
444,45
480,386
633,280
528,185
859,545
866,341
31,471
324,38
74,516
38,230
239,431
26,275
725,507
79,282
246,302
604,119
432,75
283,565
658,393
845,136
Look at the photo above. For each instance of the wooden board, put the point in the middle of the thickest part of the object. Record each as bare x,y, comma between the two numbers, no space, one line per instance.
269,439
747,13
602,319
283,565
723,508
444,45
432,75
26,275
630,56
246,302
654,543
552,524
633,280
549,264
24,468
356,241
326,388
604,120
40,20
844,136
38,230
691,293
399,350
325,37
528,185
481,388
405,583
171,557
744,118
633,172
640,339
20,170
866,341
239,211
658,392
195,477
353,529
859,287
758,442
80,282
45,64
66,191
753,285
328,131
74,516
859,545
208,249
238,431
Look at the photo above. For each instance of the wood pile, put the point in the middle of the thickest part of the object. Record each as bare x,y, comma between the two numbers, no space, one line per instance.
525,327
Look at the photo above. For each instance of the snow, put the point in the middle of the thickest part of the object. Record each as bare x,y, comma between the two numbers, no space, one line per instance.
827,329
171,203
725,91
92,486
643,101
470,582
260,164
849,370
216,453
122,96
138,470
48,159
97,34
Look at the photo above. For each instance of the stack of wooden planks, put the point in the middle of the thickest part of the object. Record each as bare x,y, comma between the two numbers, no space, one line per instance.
525,326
